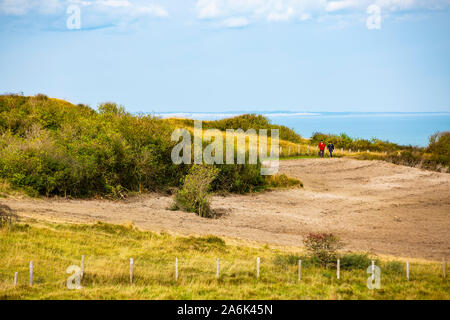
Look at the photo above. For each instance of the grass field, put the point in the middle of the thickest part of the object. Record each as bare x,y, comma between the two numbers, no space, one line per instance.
108,248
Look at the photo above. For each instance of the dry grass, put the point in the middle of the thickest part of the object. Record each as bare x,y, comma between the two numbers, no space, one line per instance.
108,248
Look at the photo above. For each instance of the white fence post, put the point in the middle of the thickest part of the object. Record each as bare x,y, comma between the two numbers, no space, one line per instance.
176,269
258,260
299,270
15,278
31,273
82,266
407,270
131,270
218,269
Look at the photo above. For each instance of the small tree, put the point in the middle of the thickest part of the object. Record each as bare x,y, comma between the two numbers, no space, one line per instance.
323,247
194,195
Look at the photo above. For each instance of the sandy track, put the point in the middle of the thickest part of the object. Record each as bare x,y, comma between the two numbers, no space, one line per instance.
372,205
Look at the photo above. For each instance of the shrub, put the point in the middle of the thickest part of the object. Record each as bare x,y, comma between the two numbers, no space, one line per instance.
355,261
440,144
346,142
239,178
323,246
7,216
253,121
194,195
282,181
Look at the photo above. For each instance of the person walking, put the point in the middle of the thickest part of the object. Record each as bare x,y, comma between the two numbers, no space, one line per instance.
321,148
331,149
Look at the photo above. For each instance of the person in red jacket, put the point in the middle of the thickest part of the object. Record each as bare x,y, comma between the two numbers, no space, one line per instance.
321,148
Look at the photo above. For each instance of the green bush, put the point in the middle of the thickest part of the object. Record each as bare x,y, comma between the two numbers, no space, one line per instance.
56,148
253,121
346,142
355,261
52,147
194,195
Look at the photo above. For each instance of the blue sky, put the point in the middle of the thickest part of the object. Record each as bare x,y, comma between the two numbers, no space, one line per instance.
228,55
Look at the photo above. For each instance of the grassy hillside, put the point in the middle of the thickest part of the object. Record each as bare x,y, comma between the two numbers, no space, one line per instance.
245,122
108,248
52,147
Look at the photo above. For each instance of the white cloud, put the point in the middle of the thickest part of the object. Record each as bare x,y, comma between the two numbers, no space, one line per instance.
207,9
342,5
116,7
152,10
235,22
285,10
281,16
114,3
254,10
22,7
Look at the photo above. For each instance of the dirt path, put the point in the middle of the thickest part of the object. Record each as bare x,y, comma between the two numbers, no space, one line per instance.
372,205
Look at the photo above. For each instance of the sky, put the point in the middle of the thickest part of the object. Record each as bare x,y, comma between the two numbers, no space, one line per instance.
230,55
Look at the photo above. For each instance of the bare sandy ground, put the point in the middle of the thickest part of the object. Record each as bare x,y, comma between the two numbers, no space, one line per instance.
373,206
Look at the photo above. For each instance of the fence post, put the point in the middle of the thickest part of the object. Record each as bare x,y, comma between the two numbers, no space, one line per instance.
289,152
258,260
176,269
443,267
31,273
407,270
298,149
82,266
131,270
338,271
218,269
15,278
299,270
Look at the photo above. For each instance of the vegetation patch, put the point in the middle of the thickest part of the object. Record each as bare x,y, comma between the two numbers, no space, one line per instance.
282,181
108,249
194,195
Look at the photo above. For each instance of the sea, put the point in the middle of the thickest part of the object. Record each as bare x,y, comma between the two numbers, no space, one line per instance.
411,128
